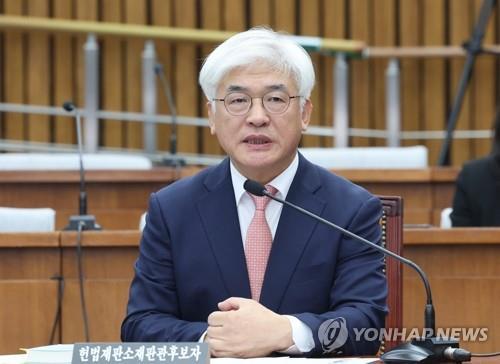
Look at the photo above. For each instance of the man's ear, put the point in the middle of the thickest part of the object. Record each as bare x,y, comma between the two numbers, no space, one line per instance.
306,114
211,117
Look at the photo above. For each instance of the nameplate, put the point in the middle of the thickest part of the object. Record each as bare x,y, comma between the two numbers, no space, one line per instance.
137,353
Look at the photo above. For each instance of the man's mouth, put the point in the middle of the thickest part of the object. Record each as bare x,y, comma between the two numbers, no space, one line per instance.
257,140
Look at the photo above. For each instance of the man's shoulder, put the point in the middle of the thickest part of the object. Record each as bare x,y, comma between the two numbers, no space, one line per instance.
188,186
336,188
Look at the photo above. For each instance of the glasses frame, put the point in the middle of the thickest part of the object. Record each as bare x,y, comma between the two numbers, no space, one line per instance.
251,102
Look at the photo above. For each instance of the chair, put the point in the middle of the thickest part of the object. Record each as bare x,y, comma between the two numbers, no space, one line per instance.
70,161
414,157
27,219
392,239
445,222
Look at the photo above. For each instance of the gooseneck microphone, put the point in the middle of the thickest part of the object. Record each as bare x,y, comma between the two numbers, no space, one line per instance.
174,160
87,222
428,349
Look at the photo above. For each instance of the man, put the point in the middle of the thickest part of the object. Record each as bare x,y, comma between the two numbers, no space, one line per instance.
245,274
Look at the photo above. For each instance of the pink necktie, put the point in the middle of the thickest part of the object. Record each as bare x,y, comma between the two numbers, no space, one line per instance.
258,243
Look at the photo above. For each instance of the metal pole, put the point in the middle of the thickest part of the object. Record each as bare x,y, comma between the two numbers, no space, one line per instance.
392,102
341,101
473,48
149,95
91,129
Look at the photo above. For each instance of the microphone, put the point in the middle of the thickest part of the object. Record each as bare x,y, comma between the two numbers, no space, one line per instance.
429,349
81,221
174,160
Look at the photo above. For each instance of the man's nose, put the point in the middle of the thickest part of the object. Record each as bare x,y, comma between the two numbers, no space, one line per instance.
257,114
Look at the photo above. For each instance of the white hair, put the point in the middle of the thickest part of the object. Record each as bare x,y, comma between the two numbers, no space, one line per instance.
261,45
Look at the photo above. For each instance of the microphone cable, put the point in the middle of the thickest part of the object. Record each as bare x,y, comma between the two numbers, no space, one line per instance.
57,318
81,280
485,355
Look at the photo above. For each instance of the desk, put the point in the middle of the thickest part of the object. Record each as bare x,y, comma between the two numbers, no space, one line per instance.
425,191
108,262
28,294
118,198
456,261
464,271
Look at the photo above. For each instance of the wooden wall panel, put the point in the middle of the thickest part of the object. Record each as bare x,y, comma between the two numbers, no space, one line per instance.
410,35
261,13
135,13
384,34
360,96
334,26
186,76
84,10
435,83
38,74
63,71
234,15
161,15
285,15
47,69
309,11
14,73
211,18
459,29
113,75
483,88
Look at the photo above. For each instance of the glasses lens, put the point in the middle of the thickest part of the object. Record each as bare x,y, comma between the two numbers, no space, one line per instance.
276,102
237,103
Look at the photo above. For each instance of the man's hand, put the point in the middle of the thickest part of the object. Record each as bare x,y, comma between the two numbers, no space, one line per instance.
243,328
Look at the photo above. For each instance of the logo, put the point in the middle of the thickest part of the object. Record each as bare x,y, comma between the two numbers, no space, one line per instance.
333,334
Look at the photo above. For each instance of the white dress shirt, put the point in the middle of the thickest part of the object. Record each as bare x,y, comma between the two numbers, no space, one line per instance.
301,333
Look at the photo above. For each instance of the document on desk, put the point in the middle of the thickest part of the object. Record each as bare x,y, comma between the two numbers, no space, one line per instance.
288,360
53,354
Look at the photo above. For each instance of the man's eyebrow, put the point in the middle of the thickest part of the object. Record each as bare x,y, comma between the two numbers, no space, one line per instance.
237,88
232,88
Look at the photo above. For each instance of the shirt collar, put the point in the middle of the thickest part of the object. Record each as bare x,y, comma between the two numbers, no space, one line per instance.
282,182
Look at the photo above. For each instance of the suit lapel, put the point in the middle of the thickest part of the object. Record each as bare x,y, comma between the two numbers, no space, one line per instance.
219,216
293,234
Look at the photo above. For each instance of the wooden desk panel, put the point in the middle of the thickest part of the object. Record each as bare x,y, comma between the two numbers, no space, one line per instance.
464,272
29,295
118,198
462,265
108,259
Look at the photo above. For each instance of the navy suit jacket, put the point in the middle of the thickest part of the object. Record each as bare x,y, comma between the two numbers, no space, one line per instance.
192,257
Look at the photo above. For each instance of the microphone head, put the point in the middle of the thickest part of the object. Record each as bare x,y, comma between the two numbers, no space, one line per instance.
68,106
255,188
158,68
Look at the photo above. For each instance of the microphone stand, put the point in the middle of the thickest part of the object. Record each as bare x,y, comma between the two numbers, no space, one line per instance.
81,221
430,349
173,160
473,48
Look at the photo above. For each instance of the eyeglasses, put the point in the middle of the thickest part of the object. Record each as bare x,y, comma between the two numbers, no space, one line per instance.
239,103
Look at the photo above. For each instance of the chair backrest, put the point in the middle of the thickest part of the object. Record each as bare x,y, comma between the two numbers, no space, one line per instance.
27,219
392,239
70,161
445,222
368,157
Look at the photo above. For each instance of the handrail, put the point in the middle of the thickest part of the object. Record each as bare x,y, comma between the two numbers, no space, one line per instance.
14,22
423,52
157,32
